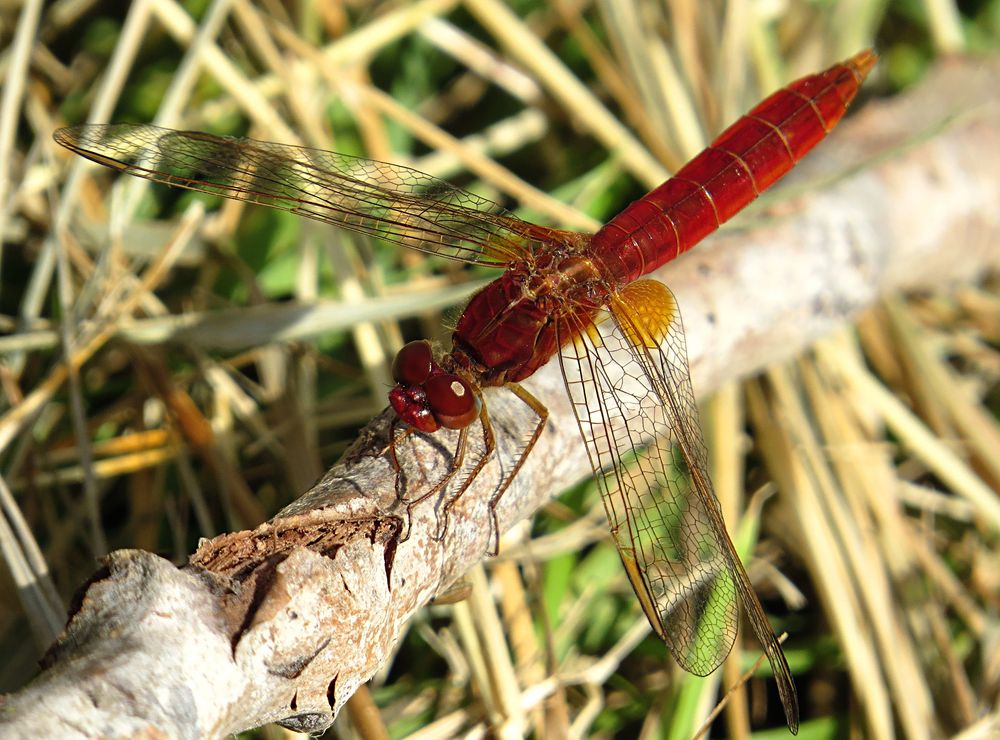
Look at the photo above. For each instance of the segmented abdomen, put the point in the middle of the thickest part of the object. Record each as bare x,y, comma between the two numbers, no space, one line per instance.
740,164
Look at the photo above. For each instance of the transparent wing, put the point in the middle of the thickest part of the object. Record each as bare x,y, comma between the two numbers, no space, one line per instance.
391,202
631,391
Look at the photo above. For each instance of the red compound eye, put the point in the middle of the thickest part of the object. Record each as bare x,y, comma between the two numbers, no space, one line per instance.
413,363
451,399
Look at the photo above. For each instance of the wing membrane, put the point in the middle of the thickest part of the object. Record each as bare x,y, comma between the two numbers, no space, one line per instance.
391,202
631,391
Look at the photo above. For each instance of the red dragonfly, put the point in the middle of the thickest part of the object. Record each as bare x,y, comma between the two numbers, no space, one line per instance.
579,297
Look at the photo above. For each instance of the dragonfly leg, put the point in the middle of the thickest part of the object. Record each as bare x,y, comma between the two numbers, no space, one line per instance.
390,448
457,460
394,439
397,468
489,447
543,414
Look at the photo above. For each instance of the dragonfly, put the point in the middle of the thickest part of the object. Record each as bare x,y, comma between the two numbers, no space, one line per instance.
577,297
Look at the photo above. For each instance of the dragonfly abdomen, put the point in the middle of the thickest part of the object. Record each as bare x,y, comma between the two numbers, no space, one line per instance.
739,165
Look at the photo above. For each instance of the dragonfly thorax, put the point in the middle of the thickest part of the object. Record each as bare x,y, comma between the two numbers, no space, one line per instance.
517,323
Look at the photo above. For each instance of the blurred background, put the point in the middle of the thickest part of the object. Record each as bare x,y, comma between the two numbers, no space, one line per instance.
173,367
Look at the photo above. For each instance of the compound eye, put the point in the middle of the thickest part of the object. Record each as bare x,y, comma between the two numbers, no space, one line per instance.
413,363
451,399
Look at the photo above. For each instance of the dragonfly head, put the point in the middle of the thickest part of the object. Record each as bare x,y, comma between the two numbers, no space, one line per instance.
425,396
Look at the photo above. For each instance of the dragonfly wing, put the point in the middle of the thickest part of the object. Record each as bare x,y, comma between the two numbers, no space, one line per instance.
387,201
631,391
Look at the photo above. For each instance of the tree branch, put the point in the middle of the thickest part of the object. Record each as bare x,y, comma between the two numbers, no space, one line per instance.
284,622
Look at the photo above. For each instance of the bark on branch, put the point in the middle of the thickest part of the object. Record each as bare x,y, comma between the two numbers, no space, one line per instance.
283,623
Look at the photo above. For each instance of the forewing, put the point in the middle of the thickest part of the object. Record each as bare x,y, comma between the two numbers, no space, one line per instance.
391,202
631,391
